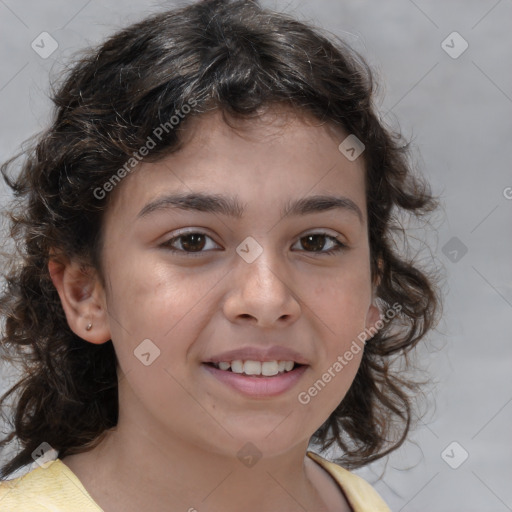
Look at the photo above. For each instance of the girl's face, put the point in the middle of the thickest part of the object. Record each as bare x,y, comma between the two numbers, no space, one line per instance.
224,269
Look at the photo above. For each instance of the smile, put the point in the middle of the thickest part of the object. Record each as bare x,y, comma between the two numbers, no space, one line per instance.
251,367
257,379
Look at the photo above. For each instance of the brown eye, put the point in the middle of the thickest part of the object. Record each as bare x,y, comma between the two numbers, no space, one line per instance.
194,242
313,242
316,242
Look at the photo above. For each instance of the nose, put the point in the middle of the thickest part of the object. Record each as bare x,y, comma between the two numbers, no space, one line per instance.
261,293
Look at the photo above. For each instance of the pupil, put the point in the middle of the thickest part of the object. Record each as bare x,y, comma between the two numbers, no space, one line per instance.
314,246
193,238
195,242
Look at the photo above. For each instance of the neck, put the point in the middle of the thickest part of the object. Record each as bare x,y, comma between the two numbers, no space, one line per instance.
141,468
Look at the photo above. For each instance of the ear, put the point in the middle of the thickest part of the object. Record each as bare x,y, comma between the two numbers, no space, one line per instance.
372,317
83,299
373,314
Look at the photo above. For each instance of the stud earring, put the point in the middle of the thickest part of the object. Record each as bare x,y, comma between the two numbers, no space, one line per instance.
88,327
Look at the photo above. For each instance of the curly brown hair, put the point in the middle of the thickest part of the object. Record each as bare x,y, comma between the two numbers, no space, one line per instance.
233,56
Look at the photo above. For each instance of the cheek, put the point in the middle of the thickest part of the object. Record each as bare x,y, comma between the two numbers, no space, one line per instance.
338,307
341,302
148,298
156,303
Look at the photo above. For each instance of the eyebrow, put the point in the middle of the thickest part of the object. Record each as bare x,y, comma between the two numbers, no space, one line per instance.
230,206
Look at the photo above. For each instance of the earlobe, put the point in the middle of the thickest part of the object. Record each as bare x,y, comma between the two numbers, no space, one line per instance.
373,316
82,298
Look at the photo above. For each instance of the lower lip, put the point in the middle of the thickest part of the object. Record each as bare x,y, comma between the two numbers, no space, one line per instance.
258,387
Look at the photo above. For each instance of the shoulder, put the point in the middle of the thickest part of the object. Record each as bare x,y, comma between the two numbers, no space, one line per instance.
53,487
360,494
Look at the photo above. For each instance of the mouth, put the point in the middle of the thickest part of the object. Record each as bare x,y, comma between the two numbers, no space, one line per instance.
256,368
256,379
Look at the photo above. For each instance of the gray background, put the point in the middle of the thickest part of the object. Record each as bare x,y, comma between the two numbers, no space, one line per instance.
458,111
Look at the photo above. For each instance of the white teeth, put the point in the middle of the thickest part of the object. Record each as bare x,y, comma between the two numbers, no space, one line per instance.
270,368
237,366
250,367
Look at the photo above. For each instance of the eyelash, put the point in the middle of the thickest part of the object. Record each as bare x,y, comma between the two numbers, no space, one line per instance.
167,245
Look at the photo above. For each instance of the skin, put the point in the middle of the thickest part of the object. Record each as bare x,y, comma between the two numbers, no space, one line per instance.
179,428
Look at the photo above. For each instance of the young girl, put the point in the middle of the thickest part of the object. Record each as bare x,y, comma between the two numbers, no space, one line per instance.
207,281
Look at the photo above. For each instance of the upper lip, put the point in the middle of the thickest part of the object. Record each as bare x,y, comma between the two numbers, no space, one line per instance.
274,353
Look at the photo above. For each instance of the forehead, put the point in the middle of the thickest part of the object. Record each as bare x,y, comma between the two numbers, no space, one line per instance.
266,160
277,128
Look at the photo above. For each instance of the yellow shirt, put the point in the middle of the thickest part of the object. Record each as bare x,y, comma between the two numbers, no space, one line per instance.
57,489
